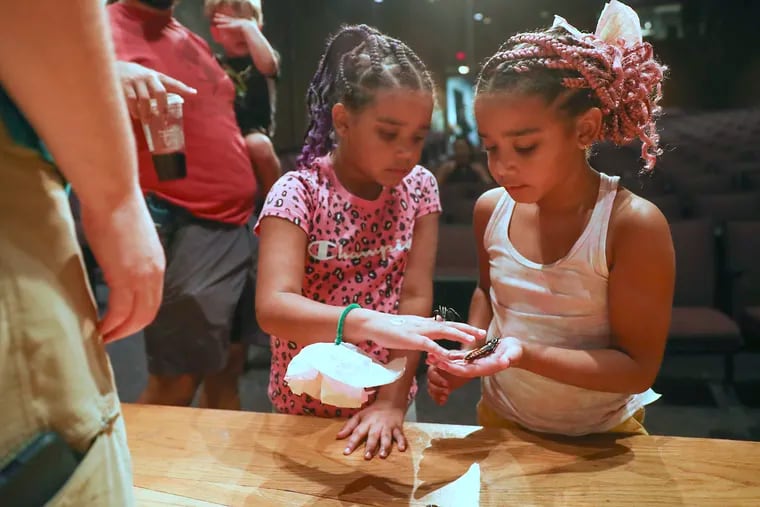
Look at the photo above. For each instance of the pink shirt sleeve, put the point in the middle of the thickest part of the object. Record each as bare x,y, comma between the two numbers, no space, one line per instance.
290,198
429,201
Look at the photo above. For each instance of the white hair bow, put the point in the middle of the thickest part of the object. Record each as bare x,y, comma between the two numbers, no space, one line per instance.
618,24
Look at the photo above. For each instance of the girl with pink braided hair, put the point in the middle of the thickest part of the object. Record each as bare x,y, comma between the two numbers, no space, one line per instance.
576,273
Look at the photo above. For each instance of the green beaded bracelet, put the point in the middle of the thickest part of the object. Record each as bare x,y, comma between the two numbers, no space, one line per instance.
342,320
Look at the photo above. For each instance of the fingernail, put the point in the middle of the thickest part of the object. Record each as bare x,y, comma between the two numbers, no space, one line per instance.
347,450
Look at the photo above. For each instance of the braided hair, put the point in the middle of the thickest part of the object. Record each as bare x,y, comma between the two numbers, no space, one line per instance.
358,61
624,82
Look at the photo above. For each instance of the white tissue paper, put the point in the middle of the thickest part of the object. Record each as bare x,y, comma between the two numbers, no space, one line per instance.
339,374
618,21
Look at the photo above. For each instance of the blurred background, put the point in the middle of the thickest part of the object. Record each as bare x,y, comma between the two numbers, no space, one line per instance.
711,46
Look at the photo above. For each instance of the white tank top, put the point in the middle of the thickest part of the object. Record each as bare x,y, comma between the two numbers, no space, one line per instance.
562,304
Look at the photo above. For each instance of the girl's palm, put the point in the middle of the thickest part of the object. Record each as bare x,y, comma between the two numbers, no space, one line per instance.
507,354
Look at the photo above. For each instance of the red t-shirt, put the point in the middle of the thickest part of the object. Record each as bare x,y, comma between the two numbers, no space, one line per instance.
220,183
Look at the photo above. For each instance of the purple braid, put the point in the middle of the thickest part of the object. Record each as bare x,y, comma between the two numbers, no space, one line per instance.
318,141
358,61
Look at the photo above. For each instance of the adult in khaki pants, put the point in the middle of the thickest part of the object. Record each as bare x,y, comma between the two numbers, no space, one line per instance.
57,80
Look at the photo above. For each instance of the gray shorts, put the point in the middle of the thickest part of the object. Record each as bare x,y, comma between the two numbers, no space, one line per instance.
209,294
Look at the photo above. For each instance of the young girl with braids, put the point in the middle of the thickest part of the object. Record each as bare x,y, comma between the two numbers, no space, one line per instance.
576,273
356,224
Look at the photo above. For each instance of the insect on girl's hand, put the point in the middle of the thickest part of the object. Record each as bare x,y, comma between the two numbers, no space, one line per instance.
507,354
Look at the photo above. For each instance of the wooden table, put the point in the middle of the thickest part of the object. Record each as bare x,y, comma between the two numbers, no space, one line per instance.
185,456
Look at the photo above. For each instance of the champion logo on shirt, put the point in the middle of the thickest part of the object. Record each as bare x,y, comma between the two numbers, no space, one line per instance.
324,250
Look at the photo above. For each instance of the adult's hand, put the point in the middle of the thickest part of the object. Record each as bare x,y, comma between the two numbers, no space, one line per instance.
141,84
126,246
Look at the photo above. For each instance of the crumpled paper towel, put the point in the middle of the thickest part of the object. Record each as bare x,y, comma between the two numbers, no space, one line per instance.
339,374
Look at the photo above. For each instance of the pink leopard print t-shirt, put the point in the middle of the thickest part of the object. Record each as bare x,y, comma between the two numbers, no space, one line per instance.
356,253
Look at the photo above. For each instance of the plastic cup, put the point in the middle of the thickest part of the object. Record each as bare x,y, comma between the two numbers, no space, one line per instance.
166,139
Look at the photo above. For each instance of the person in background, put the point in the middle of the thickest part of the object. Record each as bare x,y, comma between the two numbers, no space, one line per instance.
207,311
253,66
462,168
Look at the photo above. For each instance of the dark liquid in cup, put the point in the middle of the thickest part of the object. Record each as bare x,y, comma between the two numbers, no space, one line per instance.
170,166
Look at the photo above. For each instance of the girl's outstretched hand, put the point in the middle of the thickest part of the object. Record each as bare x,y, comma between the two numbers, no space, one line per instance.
507,354
408,332
379,425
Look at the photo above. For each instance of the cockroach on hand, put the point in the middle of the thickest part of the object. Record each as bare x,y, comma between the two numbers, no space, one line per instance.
483,351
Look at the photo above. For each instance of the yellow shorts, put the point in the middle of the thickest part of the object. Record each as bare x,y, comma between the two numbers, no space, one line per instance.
487,417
